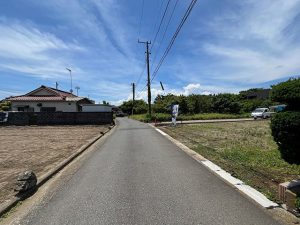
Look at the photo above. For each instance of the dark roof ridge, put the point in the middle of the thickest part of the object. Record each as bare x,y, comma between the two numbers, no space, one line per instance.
55,91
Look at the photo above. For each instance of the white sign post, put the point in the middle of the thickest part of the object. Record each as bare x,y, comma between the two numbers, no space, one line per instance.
175,109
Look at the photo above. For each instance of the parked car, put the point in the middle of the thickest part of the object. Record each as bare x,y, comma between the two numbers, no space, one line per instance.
263,113
277,108
120,114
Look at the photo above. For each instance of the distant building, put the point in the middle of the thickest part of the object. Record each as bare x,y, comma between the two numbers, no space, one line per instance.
47,99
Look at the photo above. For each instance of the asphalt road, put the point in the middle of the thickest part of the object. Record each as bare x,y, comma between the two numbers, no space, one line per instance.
139,177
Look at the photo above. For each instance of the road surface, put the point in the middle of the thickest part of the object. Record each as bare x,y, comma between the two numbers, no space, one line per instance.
139,177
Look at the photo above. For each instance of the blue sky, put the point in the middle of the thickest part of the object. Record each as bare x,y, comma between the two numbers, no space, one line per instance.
225,46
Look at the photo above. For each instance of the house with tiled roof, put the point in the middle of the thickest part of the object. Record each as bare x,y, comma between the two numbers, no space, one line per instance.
47,99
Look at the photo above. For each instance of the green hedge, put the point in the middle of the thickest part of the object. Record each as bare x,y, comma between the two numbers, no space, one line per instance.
285,128
161,117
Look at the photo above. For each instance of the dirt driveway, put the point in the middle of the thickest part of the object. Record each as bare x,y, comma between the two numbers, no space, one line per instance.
39,148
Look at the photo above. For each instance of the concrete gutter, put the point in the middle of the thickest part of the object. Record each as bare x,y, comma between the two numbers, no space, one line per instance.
250,192
6,206
203,121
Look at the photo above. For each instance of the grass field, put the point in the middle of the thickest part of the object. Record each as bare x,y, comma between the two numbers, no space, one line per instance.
245,149
203,116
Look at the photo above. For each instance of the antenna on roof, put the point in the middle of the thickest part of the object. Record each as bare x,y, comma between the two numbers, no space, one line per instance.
71,90
77,88
56,85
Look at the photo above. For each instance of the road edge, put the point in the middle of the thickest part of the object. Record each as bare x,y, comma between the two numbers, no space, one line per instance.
237,184
7,206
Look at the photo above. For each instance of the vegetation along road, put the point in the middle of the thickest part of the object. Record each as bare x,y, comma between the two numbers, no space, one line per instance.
139,177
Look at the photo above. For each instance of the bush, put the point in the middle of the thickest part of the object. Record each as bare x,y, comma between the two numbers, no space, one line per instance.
285,128
287,92
161,117
5,106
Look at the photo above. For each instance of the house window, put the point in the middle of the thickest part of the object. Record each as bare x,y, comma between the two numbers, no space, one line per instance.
25,109
48,109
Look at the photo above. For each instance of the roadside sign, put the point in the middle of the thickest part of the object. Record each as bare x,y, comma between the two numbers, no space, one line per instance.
175,109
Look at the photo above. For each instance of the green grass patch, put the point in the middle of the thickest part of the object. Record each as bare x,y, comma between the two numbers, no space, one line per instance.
161,117
244,149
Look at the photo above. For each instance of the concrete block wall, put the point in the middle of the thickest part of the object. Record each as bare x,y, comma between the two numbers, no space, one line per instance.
59,118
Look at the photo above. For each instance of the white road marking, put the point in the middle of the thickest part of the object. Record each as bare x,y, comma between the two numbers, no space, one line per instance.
163,133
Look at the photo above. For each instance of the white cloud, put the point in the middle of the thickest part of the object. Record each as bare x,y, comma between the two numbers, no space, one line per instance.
25,49
251,42
191,88
254,66
5,94
25,42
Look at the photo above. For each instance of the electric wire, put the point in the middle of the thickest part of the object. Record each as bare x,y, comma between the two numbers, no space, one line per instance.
164,34
141,74
159,12
184,18
140,92
161,21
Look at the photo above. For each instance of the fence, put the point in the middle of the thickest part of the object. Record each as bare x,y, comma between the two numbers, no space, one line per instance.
59,118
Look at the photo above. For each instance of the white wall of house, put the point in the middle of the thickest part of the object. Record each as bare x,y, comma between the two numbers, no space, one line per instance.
60,106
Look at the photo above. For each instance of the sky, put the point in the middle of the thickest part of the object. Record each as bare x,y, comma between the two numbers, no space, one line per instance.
224,46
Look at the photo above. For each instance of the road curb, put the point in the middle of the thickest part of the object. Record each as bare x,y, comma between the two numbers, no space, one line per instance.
237,184
8,205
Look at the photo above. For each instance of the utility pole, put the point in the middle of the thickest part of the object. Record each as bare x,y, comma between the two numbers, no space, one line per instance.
148,75
133,95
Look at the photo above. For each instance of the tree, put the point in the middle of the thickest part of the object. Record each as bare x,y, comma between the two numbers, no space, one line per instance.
105,103
287,92
183,105
162,103
5,106
285,125
140,106
226,103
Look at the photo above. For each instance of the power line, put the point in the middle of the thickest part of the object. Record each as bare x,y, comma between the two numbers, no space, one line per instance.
141,18
140,92
141,74
161,21
157,18
184,18
163,37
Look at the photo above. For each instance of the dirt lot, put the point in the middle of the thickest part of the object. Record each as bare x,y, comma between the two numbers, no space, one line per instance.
245,149
39,148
